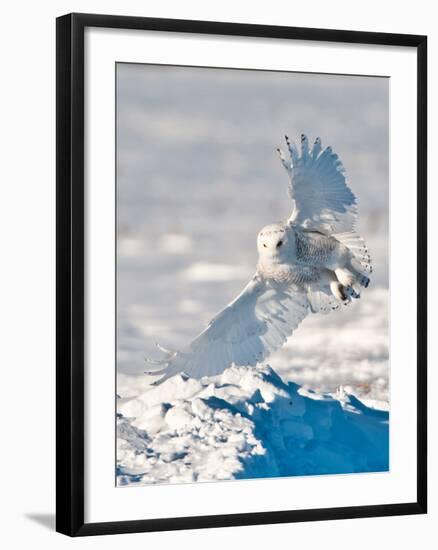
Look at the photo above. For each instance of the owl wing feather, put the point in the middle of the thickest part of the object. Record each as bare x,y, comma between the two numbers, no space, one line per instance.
317,185
245,332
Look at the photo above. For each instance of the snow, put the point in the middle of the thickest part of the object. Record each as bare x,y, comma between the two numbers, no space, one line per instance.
245,423
197,177
201,271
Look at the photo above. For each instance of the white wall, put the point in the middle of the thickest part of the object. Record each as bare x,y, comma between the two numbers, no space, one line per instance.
27,202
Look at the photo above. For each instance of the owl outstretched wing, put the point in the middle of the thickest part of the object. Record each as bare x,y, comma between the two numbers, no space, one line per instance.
317,185
255,324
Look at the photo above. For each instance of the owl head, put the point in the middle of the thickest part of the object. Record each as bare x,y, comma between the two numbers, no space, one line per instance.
274,242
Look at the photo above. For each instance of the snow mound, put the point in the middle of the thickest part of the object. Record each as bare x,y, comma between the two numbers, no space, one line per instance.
245,423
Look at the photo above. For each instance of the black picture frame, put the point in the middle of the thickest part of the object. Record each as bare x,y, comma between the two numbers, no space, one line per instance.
70,273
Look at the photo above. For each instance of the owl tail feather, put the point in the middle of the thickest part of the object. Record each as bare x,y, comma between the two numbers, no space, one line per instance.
361,260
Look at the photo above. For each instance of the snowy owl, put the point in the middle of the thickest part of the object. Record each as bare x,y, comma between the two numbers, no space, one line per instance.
314,262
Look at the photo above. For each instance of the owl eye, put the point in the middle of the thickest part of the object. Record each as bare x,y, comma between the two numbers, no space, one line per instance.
265,245
279,243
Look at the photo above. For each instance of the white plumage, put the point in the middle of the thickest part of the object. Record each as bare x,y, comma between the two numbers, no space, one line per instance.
317,185
313,262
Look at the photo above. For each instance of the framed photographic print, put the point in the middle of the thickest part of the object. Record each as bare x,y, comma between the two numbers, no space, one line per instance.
241,274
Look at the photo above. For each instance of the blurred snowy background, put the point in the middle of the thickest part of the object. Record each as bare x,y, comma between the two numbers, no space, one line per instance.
198,176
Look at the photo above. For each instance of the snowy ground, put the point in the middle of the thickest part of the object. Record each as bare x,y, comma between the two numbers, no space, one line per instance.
246,423
197,178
